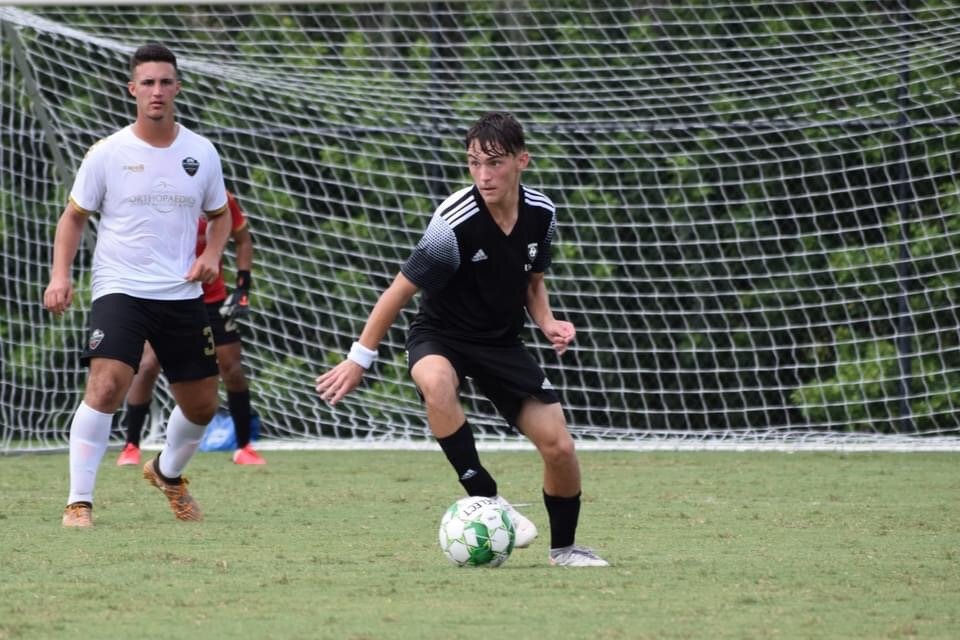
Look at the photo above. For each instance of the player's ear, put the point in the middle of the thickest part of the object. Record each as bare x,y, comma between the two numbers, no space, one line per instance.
523,159
132,87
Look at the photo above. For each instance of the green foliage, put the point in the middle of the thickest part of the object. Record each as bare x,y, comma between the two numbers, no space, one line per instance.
867,372
712,207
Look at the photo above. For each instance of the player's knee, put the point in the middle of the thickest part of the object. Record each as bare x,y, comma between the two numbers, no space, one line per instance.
437,388
198,400
200,413
232,374
207,416
104,393
559,450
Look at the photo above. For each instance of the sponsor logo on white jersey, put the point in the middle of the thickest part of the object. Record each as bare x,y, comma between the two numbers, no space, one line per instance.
164,198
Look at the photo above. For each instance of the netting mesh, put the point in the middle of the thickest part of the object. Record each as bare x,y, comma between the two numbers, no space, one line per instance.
758,227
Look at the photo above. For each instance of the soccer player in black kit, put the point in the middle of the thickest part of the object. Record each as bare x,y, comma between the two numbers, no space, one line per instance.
480,265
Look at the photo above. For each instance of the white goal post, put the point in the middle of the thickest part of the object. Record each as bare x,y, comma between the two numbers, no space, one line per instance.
759,220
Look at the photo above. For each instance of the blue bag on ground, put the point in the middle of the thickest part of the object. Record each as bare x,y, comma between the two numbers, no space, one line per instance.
221,435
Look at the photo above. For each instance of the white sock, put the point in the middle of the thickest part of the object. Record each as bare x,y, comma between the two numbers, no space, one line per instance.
89,434
183,438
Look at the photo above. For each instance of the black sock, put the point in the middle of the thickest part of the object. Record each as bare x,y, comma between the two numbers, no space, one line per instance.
461,451
239,403
156,468
133,419
564,514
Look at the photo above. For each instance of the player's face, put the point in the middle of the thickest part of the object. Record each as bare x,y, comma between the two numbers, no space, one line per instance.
155,86
497,176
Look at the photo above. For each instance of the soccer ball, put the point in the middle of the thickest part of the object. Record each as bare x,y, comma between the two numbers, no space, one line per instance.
475,532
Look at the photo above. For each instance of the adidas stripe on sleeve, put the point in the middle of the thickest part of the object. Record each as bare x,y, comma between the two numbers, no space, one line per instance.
437,256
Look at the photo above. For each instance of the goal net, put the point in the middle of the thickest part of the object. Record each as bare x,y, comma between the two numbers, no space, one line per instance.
758,206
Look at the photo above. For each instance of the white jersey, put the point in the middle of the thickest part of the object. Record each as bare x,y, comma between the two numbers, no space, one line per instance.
150,201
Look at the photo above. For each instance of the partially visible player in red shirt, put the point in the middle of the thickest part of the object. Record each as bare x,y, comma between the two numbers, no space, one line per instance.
223,311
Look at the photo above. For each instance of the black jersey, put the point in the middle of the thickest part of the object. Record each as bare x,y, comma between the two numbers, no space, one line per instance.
473,276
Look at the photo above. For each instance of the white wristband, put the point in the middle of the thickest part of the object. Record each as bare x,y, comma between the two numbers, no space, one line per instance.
361,355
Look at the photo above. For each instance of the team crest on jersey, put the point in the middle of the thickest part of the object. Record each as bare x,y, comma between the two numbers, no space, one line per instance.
95,339
532,251
190,166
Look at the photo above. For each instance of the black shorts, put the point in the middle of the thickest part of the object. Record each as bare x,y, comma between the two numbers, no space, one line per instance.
506,375
178,330
224,331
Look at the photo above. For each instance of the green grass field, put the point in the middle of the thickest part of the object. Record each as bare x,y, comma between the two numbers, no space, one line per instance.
343,545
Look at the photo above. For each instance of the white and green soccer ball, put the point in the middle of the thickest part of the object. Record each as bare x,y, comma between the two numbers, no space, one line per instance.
476,532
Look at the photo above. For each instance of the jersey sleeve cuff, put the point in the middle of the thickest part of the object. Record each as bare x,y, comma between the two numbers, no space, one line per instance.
76,206
217,212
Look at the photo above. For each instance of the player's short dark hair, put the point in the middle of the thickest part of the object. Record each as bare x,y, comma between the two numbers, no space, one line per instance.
497,133
153,52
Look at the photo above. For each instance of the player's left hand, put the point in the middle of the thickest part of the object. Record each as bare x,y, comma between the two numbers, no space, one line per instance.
237,305
205,269
560,333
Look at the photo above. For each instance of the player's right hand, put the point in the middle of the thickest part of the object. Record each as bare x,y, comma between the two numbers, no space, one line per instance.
58,295
339,381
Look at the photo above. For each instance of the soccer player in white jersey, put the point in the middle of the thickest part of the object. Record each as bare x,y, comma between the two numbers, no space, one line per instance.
151,182
481,267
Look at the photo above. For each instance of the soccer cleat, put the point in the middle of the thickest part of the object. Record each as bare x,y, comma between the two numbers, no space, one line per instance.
246,455
183,505
78,515
129,455
576,556
524,530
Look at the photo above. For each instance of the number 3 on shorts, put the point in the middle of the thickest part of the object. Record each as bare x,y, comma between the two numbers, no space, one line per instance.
211,348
